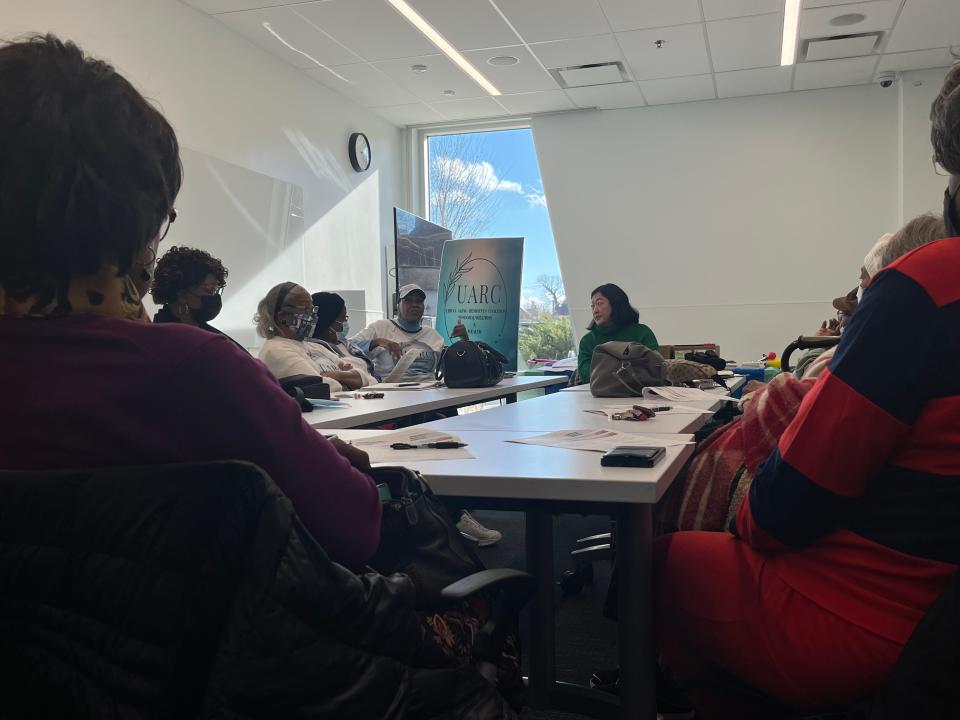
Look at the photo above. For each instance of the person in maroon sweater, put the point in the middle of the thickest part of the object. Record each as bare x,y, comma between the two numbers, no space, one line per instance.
89,172
849,532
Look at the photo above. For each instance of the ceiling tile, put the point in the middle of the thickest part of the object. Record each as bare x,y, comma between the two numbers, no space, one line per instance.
467,24
411,114
759,81
926,24
538,20
472,109
371,28
824,3
747,42
221,6
632,15
833,73
678,90
722,9
879,15
607,97
916,60
441,75
578,51
684,52
525,76
298,42
548,101
363,84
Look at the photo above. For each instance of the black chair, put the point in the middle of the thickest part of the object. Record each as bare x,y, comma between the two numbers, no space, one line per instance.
156,592
806,343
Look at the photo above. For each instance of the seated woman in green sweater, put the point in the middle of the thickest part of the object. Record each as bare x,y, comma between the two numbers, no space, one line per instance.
613,319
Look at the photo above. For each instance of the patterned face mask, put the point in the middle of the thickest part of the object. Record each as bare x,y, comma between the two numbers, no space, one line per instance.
304,324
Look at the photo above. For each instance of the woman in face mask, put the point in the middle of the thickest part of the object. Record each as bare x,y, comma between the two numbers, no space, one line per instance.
188,285
332,333
286,317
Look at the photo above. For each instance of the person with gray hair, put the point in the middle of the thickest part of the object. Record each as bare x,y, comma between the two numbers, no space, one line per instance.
286,317
945,138
921,230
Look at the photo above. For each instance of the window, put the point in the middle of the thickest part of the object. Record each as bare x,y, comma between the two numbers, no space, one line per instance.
487,184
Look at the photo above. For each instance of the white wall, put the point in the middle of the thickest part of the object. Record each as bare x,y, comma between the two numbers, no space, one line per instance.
922,188
228,99
733,221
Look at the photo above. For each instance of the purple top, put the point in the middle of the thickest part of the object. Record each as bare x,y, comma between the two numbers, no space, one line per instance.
96,391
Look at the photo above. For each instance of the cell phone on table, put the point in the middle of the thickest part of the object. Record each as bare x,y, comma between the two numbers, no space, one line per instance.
632,456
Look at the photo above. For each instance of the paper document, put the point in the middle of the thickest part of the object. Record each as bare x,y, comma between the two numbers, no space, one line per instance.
403,385
683,394
325,404
602,440
401,371
379,450
612,410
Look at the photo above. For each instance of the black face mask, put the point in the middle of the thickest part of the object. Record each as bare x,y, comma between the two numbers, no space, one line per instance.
950,214
210,306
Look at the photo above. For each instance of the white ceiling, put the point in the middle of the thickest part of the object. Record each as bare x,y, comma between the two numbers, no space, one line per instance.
364,49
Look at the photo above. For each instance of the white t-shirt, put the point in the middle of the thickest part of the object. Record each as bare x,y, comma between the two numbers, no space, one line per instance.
285,357
383,359
321,350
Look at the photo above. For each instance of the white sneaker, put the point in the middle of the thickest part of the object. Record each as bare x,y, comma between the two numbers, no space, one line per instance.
472,530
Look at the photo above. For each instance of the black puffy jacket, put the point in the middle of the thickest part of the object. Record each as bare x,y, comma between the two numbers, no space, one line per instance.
197,593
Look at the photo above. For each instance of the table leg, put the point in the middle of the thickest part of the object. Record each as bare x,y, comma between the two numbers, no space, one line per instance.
539,545
635,602
511,398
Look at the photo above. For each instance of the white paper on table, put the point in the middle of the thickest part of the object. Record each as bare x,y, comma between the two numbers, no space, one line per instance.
683,394
379,450
601,440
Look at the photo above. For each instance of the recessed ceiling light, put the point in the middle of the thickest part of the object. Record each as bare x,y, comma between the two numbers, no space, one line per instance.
791,24
503,60
848,19
415,19
448,93
418,68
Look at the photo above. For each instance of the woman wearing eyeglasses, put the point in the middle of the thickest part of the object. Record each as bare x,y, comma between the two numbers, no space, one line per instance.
188,285
332,333
286,317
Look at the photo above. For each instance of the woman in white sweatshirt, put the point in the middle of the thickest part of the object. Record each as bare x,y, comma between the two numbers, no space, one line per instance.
286,317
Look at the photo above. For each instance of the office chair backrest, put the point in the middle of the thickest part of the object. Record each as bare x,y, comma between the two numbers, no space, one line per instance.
115,585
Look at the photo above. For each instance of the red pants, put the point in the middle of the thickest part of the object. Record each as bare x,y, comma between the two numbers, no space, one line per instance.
717,606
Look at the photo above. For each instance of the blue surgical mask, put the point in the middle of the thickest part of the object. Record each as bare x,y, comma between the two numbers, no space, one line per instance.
859,295
407,325
344,332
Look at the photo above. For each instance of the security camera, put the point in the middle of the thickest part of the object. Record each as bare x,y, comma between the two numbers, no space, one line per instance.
886,79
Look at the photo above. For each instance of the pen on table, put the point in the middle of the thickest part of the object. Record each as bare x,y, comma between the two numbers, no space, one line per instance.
413,384
661,408
446,445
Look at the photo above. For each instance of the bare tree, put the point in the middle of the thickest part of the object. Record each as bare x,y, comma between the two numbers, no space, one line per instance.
553,286
465,192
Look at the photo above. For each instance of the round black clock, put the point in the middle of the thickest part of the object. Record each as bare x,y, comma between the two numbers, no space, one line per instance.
360,154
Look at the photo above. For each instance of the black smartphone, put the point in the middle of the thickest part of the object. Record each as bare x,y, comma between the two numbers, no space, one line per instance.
632,456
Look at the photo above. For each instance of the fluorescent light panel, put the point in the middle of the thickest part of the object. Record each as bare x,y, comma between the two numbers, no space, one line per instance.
791,26
446,48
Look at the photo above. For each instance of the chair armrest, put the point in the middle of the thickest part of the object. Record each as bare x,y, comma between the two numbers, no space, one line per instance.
593,553
516,582
594,539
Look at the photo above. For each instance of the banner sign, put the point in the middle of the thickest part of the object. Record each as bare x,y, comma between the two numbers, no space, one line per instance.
480,286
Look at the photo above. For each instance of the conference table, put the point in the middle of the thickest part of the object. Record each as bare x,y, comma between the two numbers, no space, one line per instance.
541,482
402,403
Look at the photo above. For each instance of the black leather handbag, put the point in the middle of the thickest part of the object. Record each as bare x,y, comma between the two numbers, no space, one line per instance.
303,387
420,539
468,364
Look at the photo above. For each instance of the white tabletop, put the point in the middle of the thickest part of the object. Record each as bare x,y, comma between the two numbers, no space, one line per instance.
400,403
503,469
567,411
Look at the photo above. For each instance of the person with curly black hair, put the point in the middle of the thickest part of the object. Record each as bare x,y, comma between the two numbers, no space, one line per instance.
188,284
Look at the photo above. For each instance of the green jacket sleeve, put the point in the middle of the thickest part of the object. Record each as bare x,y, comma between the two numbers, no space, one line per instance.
587,343
648,338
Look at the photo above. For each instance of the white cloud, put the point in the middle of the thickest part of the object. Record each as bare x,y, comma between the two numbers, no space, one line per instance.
480,175
536,197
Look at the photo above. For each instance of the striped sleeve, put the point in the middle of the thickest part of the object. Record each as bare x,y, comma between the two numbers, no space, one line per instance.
851,421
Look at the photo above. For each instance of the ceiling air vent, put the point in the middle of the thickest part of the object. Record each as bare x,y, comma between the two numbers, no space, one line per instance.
606,73
839,46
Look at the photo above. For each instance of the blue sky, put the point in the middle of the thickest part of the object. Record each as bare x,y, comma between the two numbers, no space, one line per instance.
523,211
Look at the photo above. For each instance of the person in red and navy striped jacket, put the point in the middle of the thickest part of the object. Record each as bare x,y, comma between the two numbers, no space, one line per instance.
852,526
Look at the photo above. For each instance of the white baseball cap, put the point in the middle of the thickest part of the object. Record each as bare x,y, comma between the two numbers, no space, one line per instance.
407,289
